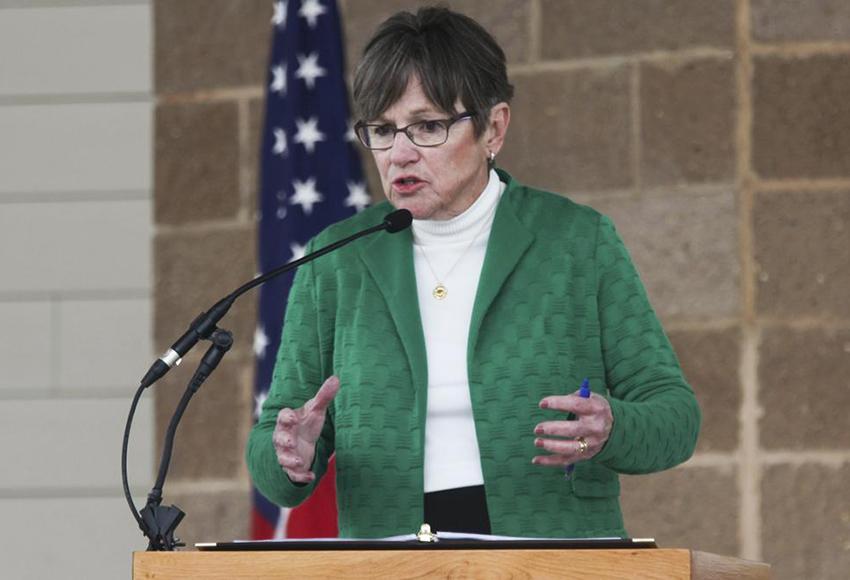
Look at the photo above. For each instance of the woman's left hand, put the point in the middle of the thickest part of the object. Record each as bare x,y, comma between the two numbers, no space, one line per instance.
592,426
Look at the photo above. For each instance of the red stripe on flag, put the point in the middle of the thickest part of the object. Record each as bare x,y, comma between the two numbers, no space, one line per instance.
316,517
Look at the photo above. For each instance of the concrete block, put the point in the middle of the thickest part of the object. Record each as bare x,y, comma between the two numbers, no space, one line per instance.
686,249
710,361
63,246
76,49
803,389
197,162
806,526
801,253
800,20
694,508
72,444
687,122
68,537
202,44
577,28
26,350
214,516
104,343
196,269
506,20
75,147
214,429
801,117
571,130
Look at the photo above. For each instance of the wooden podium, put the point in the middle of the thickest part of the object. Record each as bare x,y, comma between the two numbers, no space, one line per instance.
660,564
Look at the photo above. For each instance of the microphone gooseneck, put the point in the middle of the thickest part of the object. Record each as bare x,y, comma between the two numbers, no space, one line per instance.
205,323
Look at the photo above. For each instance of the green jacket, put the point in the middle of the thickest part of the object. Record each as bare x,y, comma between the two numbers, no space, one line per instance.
558,300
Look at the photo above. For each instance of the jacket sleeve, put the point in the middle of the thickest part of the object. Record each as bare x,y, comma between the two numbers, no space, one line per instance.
298,374
656,415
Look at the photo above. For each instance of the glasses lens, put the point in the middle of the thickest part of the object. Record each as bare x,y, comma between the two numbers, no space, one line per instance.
429,133
376,136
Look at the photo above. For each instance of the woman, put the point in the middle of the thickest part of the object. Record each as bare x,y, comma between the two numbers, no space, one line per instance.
437,362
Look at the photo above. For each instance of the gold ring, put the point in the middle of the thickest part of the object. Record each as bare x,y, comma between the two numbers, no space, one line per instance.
582,445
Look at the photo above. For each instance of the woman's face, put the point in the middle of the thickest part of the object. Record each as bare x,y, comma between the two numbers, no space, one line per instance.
434,183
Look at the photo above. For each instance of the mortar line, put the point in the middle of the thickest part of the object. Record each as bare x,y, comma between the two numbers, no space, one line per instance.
678,190
636,128
801,49
209,485
706,324
711,459
534,31
749,469
75,196
801,185
243,121
209,226
804,323
835,458
212,95
679,57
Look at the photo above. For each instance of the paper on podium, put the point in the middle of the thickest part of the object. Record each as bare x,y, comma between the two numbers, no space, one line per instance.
445,540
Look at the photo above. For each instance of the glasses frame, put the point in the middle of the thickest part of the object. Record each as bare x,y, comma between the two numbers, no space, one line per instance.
396,130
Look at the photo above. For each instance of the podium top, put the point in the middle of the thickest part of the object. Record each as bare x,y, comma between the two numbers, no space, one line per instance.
459,543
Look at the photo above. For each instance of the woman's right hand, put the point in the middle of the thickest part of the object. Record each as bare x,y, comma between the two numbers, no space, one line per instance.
297,431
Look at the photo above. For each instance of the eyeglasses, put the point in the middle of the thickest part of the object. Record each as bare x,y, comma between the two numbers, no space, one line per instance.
429,133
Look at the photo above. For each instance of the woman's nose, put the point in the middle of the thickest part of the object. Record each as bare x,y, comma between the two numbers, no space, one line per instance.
403,150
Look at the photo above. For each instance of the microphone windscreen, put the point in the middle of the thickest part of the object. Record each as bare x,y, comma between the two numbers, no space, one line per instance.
398,220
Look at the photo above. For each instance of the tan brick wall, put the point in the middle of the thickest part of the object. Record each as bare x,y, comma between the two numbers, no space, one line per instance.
717,136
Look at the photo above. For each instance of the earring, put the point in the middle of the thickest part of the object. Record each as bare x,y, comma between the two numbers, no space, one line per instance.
492,157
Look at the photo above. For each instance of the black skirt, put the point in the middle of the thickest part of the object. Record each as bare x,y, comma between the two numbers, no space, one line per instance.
462,509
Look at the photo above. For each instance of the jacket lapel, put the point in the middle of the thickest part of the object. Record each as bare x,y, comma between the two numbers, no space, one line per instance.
509,240
389,259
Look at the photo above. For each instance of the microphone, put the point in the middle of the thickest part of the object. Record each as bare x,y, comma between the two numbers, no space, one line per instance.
398,220
205,323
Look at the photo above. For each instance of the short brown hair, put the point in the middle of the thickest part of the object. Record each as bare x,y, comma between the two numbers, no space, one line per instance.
453,56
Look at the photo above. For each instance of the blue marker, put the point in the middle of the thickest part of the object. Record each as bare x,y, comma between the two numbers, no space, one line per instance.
583,392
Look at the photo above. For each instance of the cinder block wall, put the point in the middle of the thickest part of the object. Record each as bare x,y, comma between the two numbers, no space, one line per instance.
717,136
75,281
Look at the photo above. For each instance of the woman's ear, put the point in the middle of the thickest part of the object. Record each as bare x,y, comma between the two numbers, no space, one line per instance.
497,126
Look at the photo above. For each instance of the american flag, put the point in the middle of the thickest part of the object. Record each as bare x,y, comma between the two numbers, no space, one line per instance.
311,177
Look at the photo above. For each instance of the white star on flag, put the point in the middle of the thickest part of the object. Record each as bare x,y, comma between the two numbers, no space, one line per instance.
279,147
308,133
357,196
258,403
279,17
297,250
349,134
261,341
306,195
278,84
309,69
310,11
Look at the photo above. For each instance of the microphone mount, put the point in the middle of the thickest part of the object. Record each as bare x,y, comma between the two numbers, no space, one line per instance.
158,522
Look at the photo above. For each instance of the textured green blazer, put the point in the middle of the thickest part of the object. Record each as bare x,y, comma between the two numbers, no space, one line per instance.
558,300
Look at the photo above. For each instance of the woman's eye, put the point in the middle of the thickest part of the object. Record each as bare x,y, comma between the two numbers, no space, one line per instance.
382,130
429,126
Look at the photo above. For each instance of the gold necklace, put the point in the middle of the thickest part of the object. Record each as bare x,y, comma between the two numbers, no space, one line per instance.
440,291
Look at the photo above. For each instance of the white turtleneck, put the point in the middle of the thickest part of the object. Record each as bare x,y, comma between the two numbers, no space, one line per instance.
455,250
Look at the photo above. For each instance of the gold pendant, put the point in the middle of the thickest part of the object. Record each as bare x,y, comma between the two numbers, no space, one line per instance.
440,292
